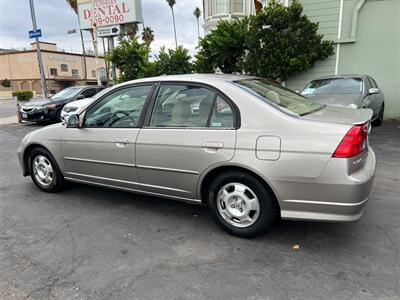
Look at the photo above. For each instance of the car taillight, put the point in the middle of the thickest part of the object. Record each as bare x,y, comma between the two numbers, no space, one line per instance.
354,142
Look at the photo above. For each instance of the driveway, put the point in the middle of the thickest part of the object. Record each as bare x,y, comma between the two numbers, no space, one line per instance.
94,243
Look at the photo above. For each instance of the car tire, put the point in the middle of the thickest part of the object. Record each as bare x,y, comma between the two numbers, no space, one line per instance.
44,171
379,120
58,116
241,204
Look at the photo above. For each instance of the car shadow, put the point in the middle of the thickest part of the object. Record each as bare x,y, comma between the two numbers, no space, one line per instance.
286,233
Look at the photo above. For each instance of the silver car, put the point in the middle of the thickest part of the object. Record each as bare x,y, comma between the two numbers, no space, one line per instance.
248,148
351,91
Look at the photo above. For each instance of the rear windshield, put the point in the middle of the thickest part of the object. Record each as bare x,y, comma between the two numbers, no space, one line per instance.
334,86
279,96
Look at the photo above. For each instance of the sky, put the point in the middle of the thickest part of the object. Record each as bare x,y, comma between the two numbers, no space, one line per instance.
55,18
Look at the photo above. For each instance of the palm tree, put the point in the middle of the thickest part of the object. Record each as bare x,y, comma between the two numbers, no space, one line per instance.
131,30
197,14
74,5
148,35
171,4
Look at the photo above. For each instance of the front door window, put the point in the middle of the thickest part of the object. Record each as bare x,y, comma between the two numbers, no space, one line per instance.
121,109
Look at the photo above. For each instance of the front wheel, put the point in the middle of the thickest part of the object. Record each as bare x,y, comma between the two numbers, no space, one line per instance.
241,204
44,171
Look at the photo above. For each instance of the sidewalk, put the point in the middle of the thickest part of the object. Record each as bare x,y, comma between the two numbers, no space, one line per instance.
8,120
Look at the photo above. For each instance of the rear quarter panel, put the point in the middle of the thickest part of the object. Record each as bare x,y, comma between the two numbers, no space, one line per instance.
306,146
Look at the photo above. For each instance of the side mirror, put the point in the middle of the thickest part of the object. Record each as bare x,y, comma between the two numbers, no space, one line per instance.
73,121
373,91
80,97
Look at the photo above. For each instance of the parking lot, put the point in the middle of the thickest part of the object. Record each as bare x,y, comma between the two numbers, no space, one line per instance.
93,243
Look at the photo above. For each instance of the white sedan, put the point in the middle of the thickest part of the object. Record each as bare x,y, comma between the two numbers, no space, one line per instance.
73,106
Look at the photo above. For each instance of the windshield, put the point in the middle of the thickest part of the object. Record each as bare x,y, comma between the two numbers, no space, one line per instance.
279,96
334,86
67,93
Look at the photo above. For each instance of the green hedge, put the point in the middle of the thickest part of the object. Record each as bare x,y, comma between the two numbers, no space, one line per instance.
23,95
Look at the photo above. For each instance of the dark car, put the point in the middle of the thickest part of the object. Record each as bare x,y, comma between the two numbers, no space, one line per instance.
351,91
42,110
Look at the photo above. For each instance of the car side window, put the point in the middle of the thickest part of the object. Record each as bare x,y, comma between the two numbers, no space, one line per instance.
374,82
88,93
181,105
222,116
120,109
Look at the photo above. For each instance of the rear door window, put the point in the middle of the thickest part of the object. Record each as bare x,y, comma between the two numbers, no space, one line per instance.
181,105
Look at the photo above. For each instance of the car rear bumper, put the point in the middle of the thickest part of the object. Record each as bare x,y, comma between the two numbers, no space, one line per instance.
336,195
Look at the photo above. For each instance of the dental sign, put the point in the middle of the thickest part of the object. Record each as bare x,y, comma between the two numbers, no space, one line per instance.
108,12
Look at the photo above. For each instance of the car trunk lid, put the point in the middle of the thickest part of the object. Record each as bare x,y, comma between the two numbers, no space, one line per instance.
348,116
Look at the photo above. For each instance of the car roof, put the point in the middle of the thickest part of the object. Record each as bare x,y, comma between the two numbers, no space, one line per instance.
204,78
342,76
86,86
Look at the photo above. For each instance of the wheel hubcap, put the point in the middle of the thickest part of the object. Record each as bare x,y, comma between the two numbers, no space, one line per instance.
43,170
238,204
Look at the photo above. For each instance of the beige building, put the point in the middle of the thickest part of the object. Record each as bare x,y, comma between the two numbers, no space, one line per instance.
62,69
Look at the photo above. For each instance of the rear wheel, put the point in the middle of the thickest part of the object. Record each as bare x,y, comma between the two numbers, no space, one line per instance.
379,120
241,204
44,171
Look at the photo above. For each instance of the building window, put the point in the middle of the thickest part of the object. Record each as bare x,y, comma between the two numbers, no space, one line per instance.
103,72
74,72
53,71
238,6
221,7
94,73
64,68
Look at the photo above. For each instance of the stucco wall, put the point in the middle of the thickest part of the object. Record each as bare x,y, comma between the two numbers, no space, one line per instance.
376,50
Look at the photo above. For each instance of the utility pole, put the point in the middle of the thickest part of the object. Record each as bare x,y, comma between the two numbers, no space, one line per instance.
84,56
111,49
106,63
96,48
39,54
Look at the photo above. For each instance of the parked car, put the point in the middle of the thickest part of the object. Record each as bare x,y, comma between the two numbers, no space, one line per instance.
41,110
252,151
72,107
352,91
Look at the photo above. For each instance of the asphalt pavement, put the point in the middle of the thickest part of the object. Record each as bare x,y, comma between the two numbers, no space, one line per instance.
93,243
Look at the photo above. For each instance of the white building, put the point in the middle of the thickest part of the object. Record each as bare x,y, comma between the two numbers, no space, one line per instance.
215,10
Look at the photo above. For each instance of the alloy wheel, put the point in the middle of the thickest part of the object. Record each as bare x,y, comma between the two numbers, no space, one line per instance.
238,204
43,170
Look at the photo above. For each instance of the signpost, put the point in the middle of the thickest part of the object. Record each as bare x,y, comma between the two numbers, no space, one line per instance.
35,33
104,17
106,13
108,31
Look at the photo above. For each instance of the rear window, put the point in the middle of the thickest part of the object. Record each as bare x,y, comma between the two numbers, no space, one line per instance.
334,86
279,96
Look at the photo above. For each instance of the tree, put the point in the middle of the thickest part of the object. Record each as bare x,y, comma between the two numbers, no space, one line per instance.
197,14
282,41
132,30
223,47
171,4
131,58
148,35
74,5
172,62
6,83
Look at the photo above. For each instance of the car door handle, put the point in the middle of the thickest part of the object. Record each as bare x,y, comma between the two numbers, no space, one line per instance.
212,145
121,143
